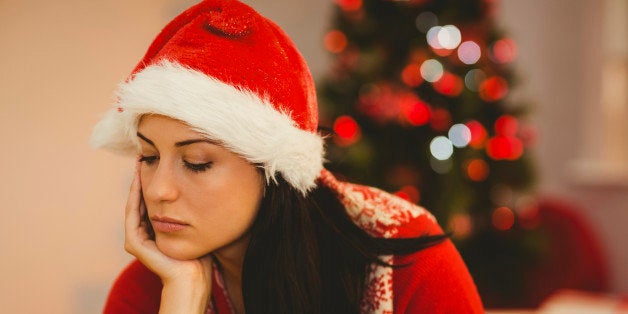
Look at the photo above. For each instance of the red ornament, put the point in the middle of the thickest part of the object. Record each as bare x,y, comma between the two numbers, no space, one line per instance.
478,134
449,84
503,147
493,89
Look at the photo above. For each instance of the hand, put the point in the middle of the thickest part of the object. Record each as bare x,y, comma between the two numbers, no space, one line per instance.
186,283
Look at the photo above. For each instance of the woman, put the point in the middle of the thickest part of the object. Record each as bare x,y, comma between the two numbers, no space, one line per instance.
231,210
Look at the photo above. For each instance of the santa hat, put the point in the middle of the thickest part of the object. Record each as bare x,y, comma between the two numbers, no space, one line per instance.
233,76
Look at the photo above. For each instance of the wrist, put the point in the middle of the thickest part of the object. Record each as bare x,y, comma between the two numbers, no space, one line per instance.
185,297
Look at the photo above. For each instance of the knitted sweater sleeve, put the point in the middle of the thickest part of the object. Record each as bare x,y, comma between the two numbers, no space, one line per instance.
436,280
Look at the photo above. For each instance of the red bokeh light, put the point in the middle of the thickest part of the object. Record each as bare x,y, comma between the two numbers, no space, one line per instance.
503,218
449,84
347,130
504,51
503,147
417,113
335,41
409,193
461,225
441,119
506,125
349,5
477,170
478,134
493,88
411,75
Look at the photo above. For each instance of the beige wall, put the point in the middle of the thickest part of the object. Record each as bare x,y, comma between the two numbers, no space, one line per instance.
61,233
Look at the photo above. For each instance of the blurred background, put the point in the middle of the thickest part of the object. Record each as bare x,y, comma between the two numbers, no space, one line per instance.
505,118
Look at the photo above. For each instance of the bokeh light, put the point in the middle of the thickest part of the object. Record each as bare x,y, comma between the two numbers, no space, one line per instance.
335,41
349,5
441,166
503,218
504,51
503,147
441,148
478,134
473,79
506,125
431,70
477,170
459,135
416,113
493,88
449,84
461,225
411,75
469,52
347,131
449,37
440,119
409,193
432,37
425,21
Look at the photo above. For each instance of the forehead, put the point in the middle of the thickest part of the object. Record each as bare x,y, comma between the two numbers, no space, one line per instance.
163,125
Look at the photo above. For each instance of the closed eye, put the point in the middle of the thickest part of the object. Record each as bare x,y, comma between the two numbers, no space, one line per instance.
149,160
198,167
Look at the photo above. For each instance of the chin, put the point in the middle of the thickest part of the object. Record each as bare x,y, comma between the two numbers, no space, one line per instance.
179,250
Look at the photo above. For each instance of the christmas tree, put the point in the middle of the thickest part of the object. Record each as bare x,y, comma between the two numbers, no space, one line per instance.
418,100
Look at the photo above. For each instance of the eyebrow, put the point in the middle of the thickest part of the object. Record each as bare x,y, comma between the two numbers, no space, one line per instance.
178,144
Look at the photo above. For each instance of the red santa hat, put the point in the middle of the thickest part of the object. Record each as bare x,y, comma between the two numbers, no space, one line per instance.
233,76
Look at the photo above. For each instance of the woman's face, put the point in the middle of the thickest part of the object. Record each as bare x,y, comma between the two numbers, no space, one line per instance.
200,197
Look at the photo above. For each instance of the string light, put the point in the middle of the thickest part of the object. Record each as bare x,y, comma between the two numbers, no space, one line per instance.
409,193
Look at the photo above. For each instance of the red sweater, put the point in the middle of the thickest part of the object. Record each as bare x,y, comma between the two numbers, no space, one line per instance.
436,281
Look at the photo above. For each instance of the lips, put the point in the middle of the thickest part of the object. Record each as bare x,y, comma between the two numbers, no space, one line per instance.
167,225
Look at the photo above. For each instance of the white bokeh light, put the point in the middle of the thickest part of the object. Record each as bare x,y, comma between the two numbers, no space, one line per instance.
431,70
441,148
469,52
459,135
449,37
432,37
473,78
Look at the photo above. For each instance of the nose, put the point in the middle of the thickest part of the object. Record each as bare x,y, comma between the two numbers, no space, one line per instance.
161,186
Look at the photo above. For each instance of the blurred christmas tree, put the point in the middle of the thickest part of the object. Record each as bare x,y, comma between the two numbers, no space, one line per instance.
418,101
